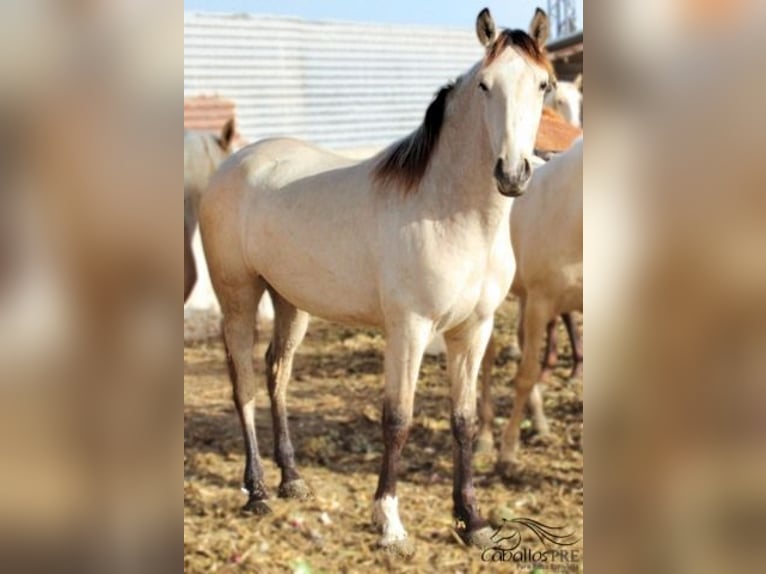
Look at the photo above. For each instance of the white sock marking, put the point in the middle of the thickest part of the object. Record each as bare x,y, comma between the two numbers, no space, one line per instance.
386,513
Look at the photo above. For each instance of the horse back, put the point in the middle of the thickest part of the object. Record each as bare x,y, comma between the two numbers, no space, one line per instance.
276,162
547,222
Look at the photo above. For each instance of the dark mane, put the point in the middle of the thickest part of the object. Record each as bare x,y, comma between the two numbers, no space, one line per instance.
525,44
406,162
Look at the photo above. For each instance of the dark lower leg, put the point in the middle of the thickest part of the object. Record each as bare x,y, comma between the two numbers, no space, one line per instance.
576,342
396,428
284,453
253,478
466,508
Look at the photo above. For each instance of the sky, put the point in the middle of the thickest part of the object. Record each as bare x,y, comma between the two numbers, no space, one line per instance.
452,13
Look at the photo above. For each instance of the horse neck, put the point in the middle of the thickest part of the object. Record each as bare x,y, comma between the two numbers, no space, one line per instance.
213,157
460,182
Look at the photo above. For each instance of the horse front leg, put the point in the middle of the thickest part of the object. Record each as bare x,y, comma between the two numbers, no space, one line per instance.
405,344
465,349
536,316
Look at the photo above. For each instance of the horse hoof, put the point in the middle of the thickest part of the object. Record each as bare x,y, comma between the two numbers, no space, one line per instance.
576,374
511,353
543,438
296,489
256,507
506,468
485,445
404,548
480,538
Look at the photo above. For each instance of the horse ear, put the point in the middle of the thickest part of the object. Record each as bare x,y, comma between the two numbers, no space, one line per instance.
578,82
540,28
485,28
227,134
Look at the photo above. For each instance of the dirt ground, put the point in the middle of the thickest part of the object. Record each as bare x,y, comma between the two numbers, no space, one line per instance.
334,402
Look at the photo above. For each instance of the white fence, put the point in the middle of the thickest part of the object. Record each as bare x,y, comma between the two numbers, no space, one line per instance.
342,85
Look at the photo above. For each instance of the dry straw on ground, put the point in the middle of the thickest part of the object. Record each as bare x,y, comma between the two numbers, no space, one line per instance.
334,412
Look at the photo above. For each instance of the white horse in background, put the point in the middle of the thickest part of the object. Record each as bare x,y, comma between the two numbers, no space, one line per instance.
203,153
413,240
546,234
438,347
566,99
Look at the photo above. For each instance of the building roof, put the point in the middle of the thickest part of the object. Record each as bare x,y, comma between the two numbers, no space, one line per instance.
567,55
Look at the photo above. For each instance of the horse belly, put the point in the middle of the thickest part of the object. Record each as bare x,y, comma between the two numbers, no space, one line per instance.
322,271
571,295
326,295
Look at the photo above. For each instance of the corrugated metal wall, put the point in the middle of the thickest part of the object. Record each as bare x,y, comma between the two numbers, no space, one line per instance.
341,85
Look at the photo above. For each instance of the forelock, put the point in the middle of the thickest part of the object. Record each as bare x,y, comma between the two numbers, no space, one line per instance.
524,44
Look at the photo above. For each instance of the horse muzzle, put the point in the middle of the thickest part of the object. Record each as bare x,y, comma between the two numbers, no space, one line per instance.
512,184
510,189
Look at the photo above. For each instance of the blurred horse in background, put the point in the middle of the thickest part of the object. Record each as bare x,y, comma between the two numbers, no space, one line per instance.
203,153
566,99
546,234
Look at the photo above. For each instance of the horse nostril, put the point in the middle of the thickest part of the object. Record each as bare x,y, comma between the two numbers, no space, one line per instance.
526,170
500,169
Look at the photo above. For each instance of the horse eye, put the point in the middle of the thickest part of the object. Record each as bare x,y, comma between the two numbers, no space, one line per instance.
483,87
544,86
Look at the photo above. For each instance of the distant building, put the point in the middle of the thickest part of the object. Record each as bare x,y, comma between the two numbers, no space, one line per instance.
566,53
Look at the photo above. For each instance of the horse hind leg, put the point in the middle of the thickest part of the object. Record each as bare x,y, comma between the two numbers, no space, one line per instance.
576,342
290,325
238,303
190,267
